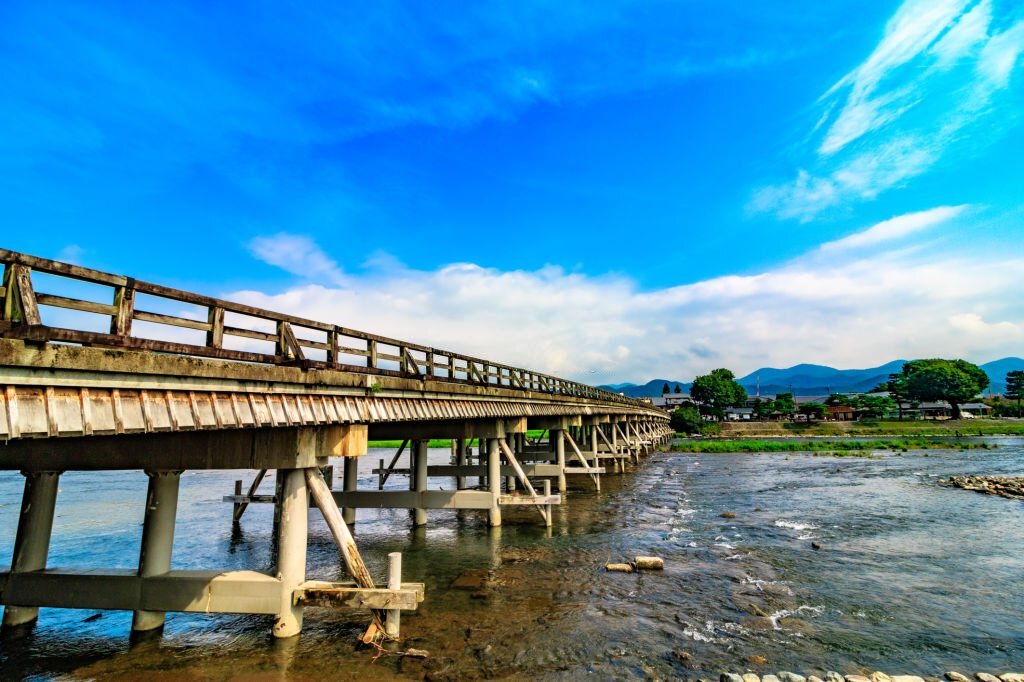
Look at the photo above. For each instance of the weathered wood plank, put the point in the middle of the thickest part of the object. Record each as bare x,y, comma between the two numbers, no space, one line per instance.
172,320
75,304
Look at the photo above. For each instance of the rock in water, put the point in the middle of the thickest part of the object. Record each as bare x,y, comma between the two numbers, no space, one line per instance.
769,678
755,659
880,677
1012,677
727,515
985,677
906,678
619,568
832,676
857,678
730,677
751,677
787,676
649,563
814,678
954,676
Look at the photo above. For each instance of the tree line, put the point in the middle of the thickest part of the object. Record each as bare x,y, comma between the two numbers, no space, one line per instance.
936,379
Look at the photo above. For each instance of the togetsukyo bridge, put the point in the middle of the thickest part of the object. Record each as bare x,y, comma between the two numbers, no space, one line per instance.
144,377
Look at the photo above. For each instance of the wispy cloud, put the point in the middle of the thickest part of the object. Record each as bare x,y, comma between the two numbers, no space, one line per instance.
298,255
838,305
941,68
895,228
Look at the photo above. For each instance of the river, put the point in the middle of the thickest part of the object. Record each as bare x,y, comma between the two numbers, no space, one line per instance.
909,576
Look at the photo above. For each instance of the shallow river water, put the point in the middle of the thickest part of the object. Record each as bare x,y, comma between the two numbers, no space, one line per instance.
910,577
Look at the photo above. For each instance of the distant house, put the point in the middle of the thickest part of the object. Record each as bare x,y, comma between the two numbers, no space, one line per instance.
739,414
840,413
670,401
940,409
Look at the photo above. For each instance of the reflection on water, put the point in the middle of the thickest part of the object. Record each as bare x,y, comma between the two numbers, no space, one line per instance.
909,577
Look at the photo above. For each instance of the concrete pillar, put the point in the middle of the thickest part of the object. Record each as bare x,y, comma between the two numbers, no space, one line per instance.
420,476
291,552
392,618
157,538
350,481
460,460
494,480
481,459
32,542
510,481
593,444
559,440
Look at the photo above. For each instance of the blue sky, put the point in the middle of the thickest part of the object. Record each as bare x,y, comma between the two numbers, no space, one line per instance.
609,191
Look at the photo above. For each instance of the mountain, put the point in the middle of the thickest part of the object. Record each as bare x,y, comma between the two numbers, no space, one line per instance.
818,379
996,371
808,379
651,389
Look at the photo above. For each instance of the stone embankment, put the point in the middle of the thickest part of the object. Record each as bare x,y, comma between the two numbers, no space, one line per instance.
1004,486
873,677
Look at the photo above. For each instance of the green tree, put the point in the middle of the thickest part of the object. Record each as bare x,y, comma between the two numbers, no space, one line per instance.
686,419
763,408
718,390
1015,387
897,387
955,381
785,404
664,389
812,410
678,389
876,406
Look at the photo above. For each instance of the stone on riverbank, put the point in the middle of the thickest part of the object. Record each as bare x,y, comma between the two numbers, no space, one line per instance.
769,678
878,676
1004,486
619,568
832,676
649,563
814,678
1012,677
954,676
751,677
857,678
985,677
730,677
906,678
786,676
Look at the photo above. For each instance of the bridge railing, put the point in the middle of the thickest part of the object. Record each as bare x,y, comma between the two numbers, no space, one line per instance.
197,325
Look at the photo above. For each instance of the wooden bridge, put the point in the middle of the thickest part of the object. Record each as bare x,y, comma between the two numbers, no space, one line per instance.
105,372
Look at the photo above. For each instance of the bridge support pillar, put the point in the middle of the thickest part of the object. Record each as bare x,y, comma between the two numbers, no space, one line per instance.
350,480
494,481
419,456
291,552
460,461
558,438
32,542
157,538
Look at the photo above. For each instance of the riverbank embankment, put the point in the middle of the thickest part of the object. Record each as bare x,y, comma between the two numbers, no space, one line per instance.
872,428
841,448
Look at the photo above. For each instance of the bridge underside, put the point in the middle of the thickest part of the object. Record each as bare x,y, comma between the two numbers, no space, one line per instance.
76,408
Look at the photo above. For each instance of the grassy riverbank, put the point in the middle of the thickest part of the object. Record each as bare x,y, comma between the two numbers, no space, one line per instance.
961,427
840,447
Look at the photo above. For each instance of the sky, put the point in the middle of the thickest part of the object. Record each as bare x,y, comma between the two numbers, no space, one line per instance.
603,191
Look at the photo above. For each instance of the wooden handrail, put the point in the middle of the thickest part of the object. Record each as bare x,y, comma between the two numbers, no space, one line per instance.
19,318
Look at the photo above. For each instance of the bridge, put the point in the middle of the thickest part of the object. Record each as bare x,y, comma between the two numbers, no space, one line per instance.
104,372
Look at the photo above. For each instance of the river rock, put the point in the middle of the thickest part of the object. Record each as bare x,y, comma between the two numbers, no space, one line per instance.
727,515
906,678
1012,677
757,660
954,676
649,563
832,676
730,677
787,676
880,677
751,677
619,568
985,677
857,678
814,678
769,678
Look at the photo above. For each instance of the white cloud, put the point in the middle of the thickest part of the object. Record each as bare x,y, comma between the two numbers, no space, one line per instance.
895,228
296,254
941,68
841,306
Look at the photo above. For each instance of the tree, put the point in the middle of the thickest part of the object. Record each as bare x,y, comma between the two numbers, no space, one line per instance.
718,390
686,419
812,410
897,388
876,406
763,408
664,389
955,381
678,389
1015,387
785,404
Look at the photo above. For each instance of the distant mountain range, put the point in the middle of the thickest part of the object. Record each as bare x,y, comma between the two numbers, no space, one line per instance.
815,379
